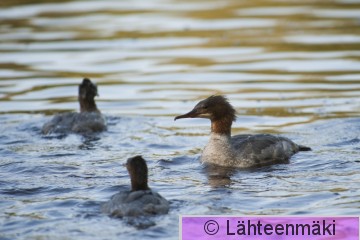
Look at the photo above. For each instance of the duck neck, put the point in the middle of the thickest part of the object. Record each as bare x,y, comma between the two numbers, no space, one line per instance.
88,105
138,184
221,126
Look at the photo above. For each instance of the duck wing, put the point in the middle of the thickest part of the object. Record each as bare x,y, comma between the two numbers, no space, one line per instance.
264,149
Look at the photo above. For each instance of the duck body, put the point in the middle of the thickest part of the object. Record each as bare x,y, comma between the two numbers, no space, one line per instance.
241,151
88,120
137,203
244,151
73,122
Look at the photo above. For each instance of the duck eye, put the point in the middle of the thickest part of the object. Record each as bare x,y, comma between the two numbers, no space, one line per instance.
205,107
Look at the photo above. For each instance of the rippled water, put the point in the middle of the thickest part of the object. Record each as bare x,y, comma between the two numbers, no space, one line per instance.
289,67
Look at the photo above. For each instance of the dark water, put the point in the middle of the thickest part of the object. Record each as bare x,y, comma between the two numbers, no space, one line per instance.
289,67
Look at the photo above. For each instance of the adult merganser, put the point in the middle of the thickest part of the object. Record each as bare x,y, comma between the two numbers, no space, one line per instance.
89,119
140,200
240,151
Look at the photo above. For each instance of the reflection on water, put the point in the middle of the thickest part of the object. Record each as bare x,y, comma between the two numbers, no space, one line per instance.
288,67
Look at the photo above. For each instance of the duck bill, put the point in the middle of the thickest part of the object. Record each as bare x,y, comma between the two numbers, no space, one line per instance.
191,114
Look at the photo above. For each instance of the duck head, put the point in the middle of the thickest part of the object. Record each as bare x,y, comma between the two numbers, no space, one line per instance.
216,108
213,108
87,93
138,172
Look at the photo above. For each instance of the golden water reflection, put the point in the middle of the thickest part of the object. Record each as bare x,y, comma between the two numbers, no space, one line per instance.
280,59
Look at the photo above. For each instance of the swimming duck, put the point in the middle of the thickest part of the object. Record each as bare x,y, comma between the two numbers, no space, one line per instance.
241,151
140,200
89,119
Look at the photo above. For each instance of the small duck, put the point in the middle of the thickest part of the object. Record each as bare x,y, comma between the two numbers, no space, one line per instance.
89,120
140,200
241,151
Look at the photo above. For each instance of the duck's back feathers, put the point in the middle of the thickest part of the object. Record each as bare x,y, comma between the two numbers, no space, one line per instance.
83,123
264,149
89,122
137,203
244,151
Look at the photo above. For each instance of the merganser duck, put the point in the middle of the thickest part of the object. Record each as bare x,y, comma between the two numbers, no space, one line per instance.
241,151
89,119
140,200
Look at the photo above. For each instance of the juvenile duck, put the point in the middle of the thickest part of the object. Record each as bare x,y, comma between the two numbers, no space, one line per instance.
89,119
240,151
140,200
